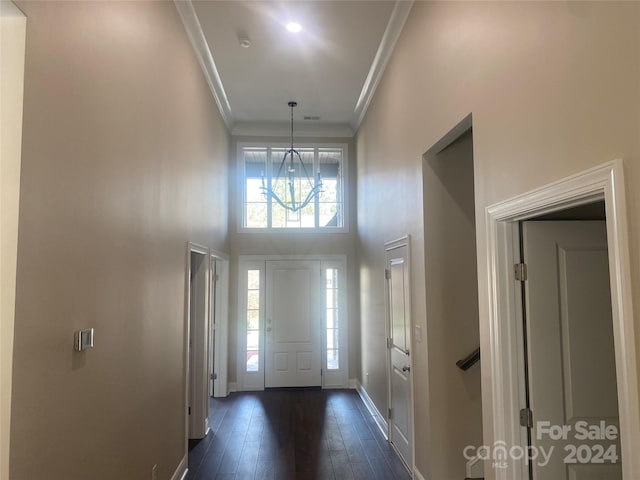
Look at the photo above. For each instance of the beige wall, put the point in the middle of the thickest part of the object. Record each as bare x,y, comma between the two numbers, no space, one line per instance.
125,159
554,89
305,243
12,49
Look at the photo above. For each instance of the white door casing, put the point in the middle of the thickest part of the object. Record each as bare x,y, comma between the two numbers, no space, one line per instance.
254,378
571,356
219,322
503,393
213,281
398,289
198,341
293,322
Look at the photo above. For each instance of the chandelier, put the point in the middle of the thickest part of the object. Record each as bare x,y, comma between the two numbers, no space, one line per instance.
292,179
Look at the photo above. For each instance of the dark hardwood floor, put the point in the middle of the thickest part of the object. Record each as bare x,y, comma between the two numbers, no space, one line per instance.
293,434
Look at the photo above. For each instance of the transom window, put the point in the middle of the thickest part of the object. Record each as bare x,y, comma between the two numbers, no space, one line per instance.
260,166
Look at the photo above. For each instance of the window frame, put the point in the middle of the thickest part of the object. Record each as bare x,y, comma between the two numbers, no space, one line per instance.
241,194
336,378
252,381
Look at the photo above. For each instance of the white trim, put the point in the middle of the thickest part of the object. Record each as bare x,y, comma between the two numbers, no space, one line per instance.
205,58
375,413
602,182
201,250
220,314
353,383
391,34
233,387
182,470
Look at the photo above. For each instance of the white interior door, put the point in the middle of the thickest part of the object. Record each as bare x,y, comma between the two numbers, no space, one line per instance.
293,321
400,415
213,308
198,398
572,375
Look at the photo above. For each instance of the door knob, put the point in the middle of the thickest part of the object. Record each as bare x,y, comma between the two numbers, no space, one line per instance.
406,368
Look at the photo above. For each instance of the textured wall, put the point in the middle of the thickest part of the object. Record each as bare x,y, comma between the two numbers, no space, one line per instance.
554,89
125,159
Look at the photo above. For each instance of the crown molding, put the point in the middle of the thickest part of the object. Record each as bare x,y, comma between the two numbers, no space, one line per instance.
394,27
205,58
385,49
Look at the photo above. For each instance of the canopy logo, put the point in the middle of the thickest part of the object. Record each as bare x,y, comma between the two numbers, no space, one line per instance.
551,438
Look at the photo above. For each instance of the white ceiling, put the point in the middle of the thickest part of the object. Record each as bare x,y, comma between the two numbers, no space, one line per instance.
330,68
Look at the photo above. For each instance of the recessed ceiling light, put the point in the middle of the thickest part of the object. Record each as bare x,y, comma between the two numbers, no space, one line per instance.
294,27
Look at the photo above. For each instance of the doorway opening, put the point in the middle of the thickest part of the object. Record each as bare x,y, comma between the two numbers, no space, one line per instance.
566,343
451,295
197,342
219,324
400,418
568,346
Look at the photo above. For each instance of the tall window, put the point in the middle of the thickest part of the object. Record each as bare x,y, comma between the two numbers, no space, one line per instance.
253,321
332,314
260,165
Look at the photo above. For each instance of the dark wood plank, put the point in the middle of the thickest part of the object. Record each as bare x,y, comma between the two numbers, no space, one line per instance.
292,434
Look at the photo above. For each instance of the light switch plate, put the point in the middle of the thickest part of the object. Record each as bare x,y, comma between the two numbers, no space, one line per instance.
83,339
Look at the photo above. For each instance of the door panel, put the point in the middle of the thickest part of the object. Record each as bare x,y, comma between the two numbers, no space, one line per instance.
293,342
398,312
400,421
570,342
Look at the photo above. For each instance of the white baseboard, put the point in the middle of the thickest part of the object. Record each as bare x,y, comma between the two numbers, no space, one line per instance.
181,471
353,383
417,475
233,387
377,416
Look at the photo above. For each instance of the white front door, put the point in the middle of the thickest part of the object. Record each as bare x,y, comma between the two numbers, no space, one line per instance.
399,343
293,337
572,375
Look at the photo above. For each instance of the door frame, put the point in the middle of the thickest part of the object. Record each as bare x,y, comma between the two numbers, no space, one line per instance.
219,322
506,383
200,424
252,381
13,31
404,241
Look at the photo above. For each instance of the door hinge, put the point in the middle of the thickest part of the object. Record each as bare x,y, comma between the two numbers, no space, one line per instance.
520,270
526,418
189,410
214,376
390,414
389,342
216,278
387,274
